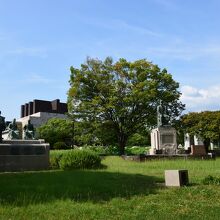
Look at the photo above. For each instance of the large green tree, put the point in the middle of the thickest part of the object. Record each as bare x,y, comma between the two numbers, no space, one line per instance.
57,130
123,94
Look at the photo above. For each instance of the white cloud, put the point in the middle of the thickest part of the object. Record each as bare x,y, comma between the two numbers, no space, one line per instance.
186,52
133,28
29,51
120,25
37,78
197,99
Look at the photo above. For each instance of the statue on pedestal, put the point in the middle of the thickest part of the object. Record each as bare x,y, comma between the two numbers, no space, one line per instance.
13,132
2,126
162,116
29,131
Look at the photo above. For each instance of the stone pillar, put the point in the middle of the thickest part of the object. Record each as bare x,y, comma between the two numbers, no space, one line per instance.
187,143
26,109
30,108
22,111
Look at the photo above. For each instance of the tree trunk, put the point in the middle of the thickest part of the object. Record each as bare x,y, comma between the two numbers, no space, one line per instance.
122,143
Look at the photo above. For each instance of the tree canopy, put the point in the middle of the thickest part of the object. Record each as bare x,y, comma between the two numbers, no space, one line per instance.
57,130
122,94
205,124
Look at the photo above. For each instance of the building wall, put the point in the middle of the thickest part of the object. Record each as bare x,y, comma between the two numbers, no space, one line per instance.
36,106
40,118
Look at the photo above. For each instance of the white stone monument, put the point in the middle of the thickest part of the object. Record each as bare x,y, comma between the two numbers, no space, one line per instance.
163,138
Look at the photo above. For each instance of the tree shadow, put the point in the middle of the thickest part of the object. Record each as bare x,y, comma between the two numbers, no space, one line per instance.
21,189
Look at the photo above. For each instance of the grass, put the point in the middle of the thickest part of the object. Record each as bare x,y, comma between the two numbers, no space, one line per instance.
124,190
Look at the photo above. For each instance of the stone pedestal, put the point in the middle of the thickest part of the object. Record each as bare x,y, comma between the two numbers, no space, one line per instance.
22,155
163,140
176,177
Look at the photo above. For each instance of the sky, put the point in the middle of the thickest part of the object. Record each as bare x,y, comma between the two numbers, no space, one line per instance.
40,40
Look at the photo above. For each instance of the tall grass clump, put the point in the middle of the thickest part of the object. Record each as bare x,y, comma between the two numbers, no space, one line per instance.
80,159
211,180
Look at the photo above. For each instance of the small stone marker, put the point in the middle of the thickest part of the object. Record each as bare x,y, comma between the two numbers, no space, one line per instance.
176,177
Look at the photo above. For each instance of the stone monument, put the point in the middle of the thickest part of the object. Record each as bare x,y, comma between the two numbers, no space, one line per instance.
17,154
163,138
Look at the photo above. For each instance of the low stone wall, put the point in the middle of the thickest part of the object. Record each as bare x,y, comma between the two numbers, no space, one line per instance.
145,157
20,155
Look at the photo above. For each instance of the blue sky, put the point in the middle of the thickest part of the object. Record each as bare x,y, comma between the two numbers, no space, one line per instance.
40,40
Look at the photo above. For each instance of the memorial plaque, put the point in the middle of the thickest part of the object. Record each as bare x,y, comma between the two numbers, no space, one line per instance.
167,138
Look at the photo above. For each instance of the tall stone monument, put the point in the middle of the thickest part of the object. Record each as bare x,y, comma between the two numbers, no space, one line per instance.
163,138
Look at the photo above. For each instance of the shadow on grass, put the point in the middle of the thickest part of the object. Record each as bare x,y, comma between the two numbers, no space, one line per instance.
80,185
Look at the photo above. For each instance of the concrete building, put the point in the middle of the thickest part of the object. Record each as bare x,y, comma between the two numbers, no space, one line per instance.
40,111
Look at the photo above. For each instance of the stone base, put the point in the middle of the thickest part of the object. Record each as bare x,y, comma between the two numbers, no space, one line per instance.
198,150
23,155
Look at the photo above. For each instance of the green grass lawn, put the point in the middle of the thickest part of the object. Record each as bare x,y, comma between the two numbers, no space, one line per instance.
124,190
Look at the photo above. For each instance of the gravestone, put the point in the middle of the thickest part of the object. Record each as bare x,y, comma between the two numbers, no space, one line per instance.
163,138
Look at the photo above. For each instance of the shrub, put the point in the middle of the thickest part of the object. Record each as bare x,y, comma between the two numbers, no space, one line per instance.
60,145
80,159
211,180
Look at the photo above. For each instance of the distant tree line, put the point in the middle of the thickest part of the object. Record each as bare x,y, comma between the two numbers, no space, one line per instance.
203,124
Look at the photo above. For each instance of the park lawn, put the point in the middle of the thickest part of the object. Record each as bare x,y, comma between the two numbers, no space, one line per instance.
124,190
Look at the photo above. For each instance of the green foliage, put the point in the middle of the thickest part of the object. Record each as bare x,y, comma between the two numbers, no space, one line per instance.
57,130
55,157
114,150
93,133
123,95
211,180
204,124
80,159
136,150
60,145
138,139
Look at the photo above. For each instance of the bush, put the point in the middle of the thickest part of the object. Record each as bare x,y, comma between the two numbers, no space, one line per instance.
80,159
211,180
60,145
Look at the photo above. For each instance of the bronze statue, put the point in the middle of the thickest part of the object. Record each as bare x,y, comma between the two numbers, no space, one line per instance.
13,132
2,126
162,115
29,131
